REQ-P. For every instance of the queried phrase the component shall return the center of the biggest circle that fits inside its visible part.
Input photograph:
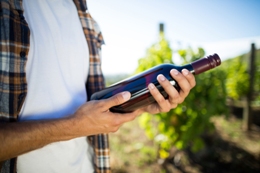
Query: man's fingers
(190, 77)
(186, 82)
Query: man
(50, 66)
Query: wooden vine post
(247, 112)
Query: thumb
(118, 99)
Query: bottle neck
(206, 63)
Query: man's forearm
(91, 118)
(21, 137)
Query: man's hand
(94, 117)
(186, 81)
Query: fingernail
(151, 86)
(185, 72)
(175, 72)
(161, 77)
(126, 95)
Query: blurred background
(131, 26)
(217, 128)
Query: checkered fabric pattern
(14, 48)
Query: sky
(130, 27)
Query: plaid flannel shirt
(14, 47)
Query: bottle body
(137, 86)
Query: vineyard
(203, 134)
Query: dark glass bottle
(137, 85)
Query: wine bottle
(137, 84)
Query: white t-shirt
(56, 72)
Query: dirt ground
(228, 150)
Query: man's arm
(20, 137)
(91, 118)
